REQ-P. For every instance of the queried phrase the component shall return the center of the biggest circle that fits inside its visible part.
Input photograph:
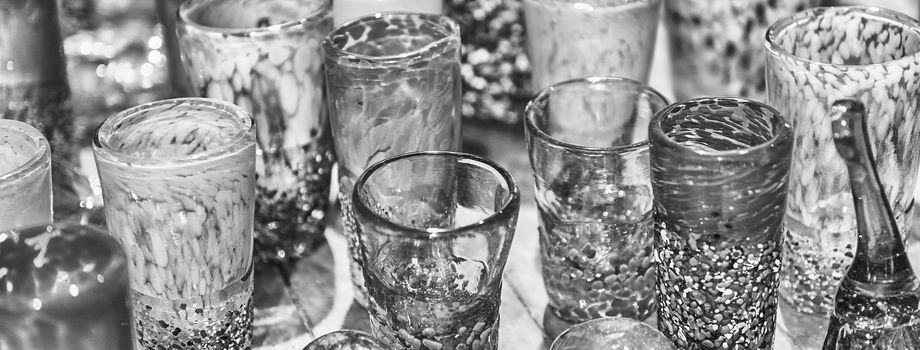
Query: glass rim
(40, 145)
(780, 26)
(502, 213)
(102, 149)
(186, 7)
(784, 135)
(600, 320)
(531, 109)
(453, 34)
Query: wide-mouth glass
(611, 333)
(392, 37)
(247, 18)
(24, 151)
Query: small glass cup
(393, 81)
(435, 230)
(612, 333)
(719, 173)
(265, 56)
(569, 40)
(588, 146)
(178, 179)
(25, 176)
(347, 340)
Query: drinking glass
(568, 40)
(612, 333)
(588, 145)
(178, 179)
(717, 46)
(815, 58)
(25, 176)
(435, 229)
(346, 340)
(265, 57)
(345, 10)
(393, 82)
(719, 175)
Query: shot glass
(178, 179)
(345, 10)
(435, 229)
(719, 174)
(265, 56)
(25, 176)
(717, 46)
(347, 340)
(588, 145)
(618, 333)
(813, 59)
(393, 82)
(568, 40)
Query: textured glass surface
(265, 56)
(394, 87)
(347, 340)
(435, 230)
(346, 10)
(25, 176)
(574, 39)
(178, 182)
(612, 333)
(815, 58)
(719, 174)
(588, 147)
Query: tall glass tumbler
(588, 146)
(717, 46)
(815, 58)
(435, 232)
(568, 39)
(393, 81)
(25, 176)
(178, 179)
(719, 174)
(265, 56)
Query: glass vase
(25, 176)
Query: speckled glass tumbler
(25, 176)
(612, 333)
(719, 174)
(393, 82)
(588, 145)
(815, 58)
(574, 39)
(178, 179)
(435, 231)
(717, 46)
(266, 57)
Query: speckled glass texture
(588, 146)
(813, 59)
(266, 57)
(435, 230)
(178, 179)
(347, 339)
(25, 176)
(612, 333)
(719, 174)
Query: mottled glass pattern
(347, 340)
(612, 333)
(265, 56)
(25, 176)
(719, 174)
(817, 57)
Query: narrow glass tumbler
(615, 333)
(25, 176)
(265, 56)
(719, 173)
(813, 59)
(569, 40)
(717, 46)
(588, 145)
(178, 179)
(393, 81)
(435, 230)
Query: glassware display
(588, 145)
(612, 333)
(719, 171)
(393, 83)
(570, 39)
(25, 176)
(878, 303)
(435, 231)
(347, 340)
(814, 58)
(345, 10)
(63, 288)
(178, 179)
(265, 56)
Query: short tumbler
(612, 333)
(435, 230)
(25, 176)
(178, 182)
(719, 174)
(588, 146)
